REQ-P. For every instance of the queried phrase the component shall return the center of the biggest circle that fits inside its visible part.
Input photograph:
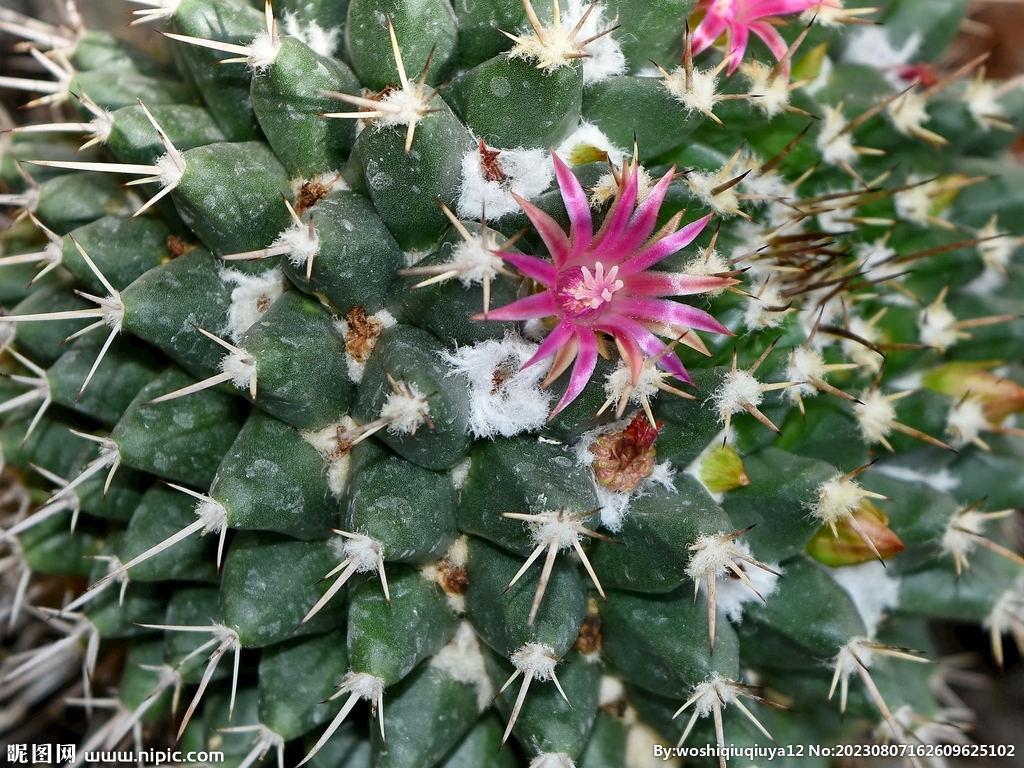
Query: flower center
(589, 291)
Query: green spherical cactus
(506, 383)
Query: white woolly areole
(213, 514)
(535, 660)
(805, 365)
(857, 353)
(761, 309)
(958, 539)
(876, 260)
(168, 171)
(589, 135)
(263, 52)
(604, 55)
(362, 551)
(475, 262)
(965, 422)
(846, 660)
(552, 760)
(406, 107)
(739, 388)
(708, 262)
(836, 147)
(703, 183)
(528, 172)
(713, 691)
(364, 686)
(916, 204)
(909, 112)
(1008, 610)
(875, 416)
(462, 660)
(936, 326)
(731, 593)
(620, 381)
(770, 95)
(982, 100)
(325, 441)
(323, 41)
(302, 245)
(874, 588)
(837, 498)
(405, 411)
(250, 298)
(870, 45)
(242, 367)
(996, 252)
(700, 96)
(504, 398)
(559, 48)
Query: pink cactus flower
(741, 17)
(604, 283)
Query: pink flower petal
(673, 284)
(550, 232)
(641, 226)
(664, 247)
(576, 205)
(758, 9)
(538, 269)
(739, 36)
(555, 340)
(582, 369)
(776, 44)
(615, 224)
(669, 313)
(709, 30)
(651, 345)
(538, 305)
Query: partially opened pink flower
(604, 283)
(741, 17)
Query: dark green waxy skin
(287, 100)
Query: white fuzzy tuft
(405, 107)
(982, 100)
(909, 113)
(875, 416)
(460, 472)
(713, 691)
(700, 96)
(620, 381)
(876, 260)
(242, 367)
(364, 686)
(937, 327)
(405, 411)
(770, 95)
(303, 246)
(739, 388)
(504, 398)
(731, 594)
(213, 514)
(874, 588)
(703, 184)
(325, 441)
(250, 298)
(528, 172)
(966, 421)
(604, 56)
(611, 691)
(323, 41)
(836, 147)
(552, 760)
(837, 498)
(462, 660)
(535, 660)
(168, 170)
(763, 309)
(857, 650)
(362, 551)
(263, 52)
(554, 527)
(917, 204)
(355, 367)
(863, 356)
(805, 365)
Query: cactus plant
(506, 383)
